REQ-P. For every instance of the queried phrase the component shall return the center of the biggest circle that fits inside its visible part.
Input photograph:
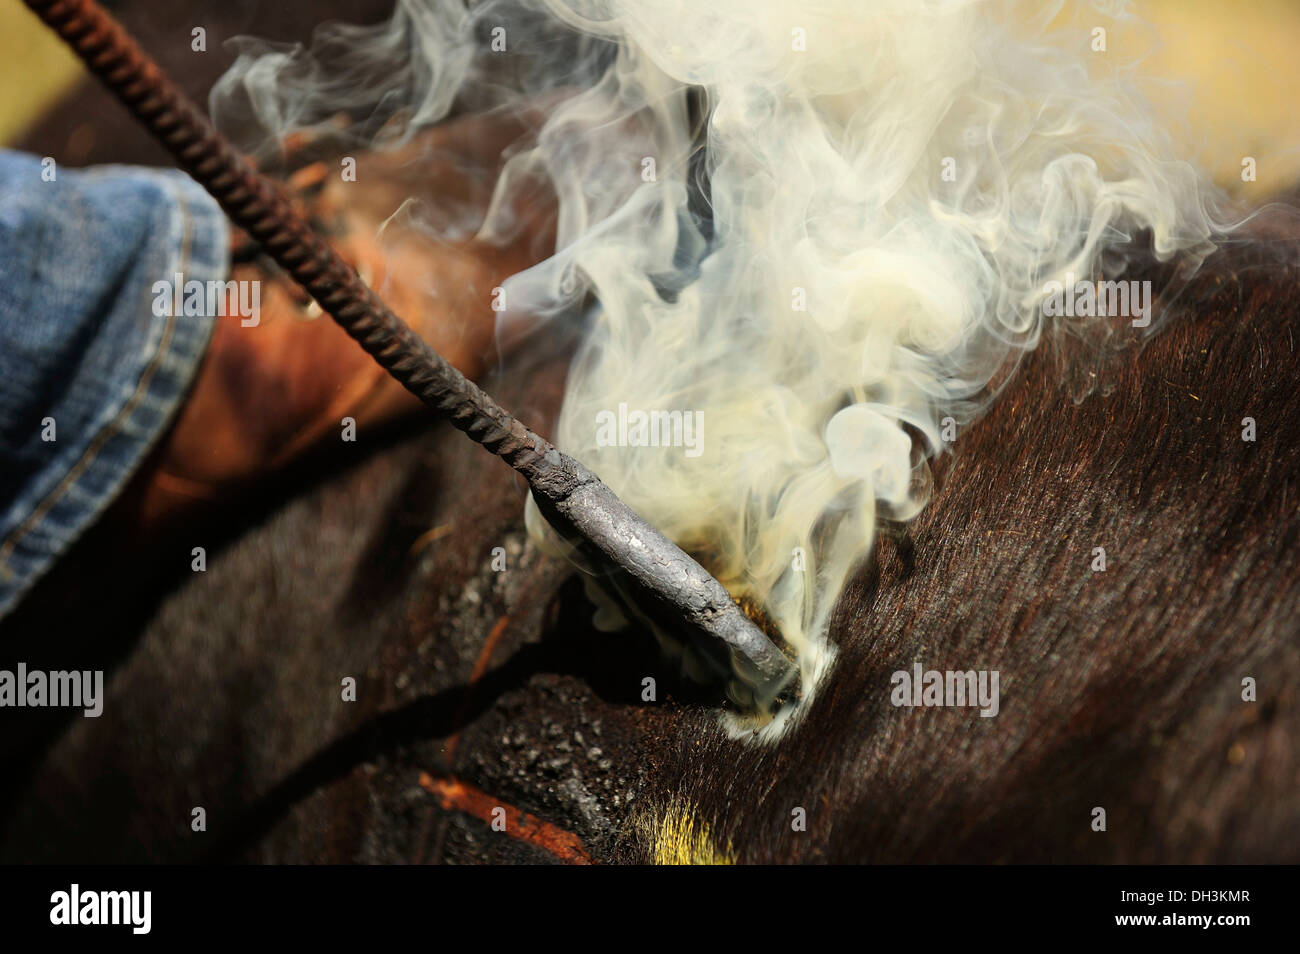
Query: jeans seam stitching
(114, 427)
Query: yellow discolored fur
(678, 838)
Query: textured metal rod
(570, 495)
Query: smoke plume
(820, 229)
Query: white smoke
(859, 252)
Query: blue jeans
(89, 375)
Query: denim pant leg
(90, 373)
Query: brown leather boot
(266, 393)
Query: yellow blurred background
(1237, 61)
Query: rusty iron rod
(570, 495)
